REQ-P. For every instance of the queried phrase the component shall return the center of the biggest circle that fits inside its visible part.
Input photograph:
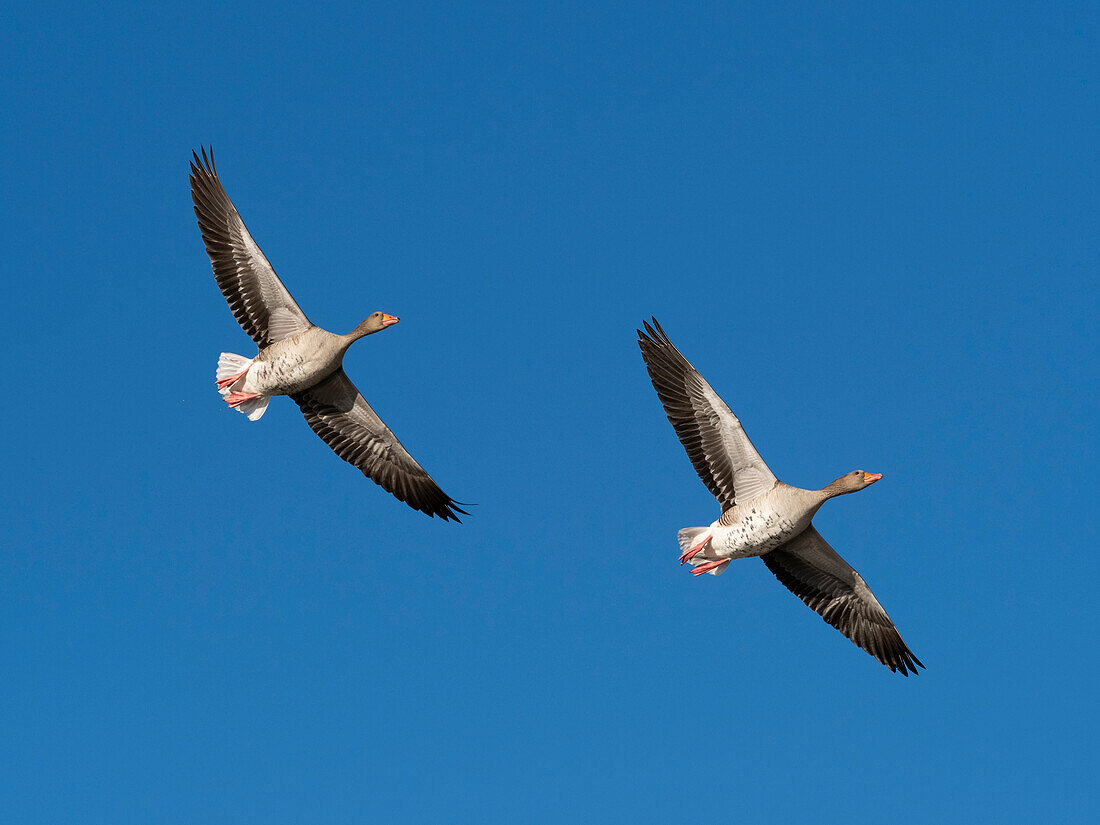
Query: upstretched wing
(260, 302)
(336, 411)
(814, 571)
(712, 435)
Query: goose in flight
(299, 359)
(762, 516)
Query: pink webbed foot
(707, 566)
(691, 552)
(229, 380)
(235, 399)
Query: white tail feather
(230, 364)
(691, 536)
(255, 408)
(688, 537)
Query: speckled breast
(755, 532)
(285, 367)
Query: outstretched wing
(813, 571)
(716, 443)
(260, 302)
(336, 411)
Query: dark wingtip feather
(650, 337)
(448, 510)
(204, 164)
(885, 644)
(654, 334)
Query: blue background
(872, 227)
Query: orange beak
(873, 477)
(389, 320)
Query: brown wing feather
(719, 449)
(260, 302)
(338, 413)
(815, 572)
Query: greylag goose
(762, 516)
(299, 359)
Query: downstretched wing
(813, 571)
(712, 435)
(343, 419)
(260, 302)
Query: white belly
(290, 370)
(754, 532)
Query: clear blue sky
(873, 228)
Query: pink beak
(389, 320)
(872, 477)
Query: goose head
(852, 482)
(375, 322)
